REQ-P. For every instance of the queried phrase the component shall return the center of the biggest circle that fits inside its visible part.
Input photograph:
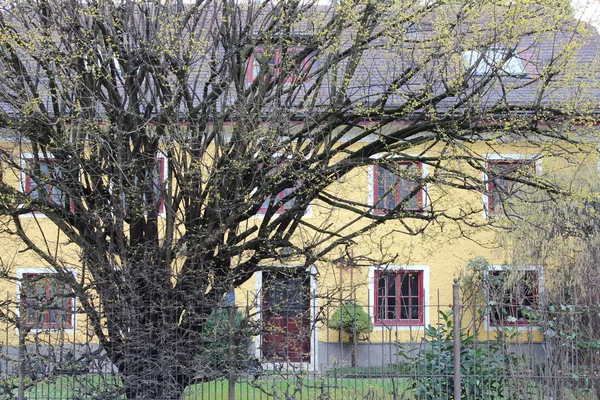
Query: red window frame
(396, 298)
(254, 66)
(498, 186)
(44, 317)
(514, 299)
(382, 183)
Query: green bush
(216, 359)
(352, 319)
(485, 367)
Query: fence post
(231, 377)
(456, 317)
(21, 353)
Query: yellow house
(153, 180)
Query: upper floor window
(277, 63)
(492, 60)
(502, 181)
(276, 200)
(158, 179)
(398, 184)
(46, 302)
(512, 296)
(399, 297)
(40, 185)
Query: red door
(286, 316)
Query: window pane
(404, 307)
(386, 192)
(414, 285)
(404, 285)
(407, 185)
(47, 301)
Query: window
(399, 297)
(501, 181)
(42, 187)
(511, 296)
(398, 186)
(276, 61)
(158, 178)
(276, 199)
(496, 59)
(47, 302)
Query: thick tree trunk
(155, 376)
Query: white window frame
(424, 188)
(45, 271)
(260, 213)
(540, 282)
(23, 178)
(373, 300)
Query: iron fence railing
(300, 353)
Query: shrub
(216, 359)
(484, 367)
(352, 319)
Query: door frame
(258, 281)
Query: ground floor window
(46, 301)
(512, 296)
(399, 297)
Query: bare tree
(171, 149)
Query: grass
(308, 388)
(338, 386)
(296, 387)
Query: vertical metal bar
(21, 352)
(456, 317)
(231, 378)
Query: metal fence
(299, 353)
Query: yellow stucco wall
(443, 249)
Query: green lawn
(324, 388)
(273, 387)
(267, 388)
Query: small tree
(353, 320)
(563, 238)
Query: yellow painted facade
(442, 250)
